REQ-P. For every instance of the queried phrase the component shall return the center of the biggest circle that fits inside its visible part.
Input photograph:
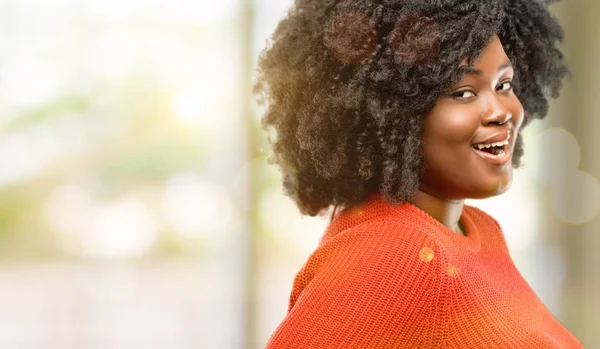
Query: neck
(447, 212)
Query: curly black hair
(346, 84)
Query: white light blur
(174, 59)
(66, 210)
(545, 278)
(268, 13)
(173, 10)
(193, 106)
(577, 200)
(33, 15)
(112, 55)
(198, 209)
(209, 111)
(239, 180)
(112, 10)
(180, 11)
(202, 104)
(24, 153)
(282, 219)
(516, 211)
(108, 282)
(29, 81)
(121, 230)
(194, 11)
(551, 155)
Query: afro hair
(347, 83)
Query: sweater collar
(376, 207)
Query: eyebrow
(479, 72)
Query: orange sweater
(387, 276)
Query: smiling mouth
(499, 148)
(496, 155)
(494, 150)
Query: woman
(396, 111)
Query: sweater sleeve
(383, 285)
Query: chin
(493, 189)
(496, 184)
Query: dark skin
(481, 104)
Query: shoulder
(380, 282)
(388, 245)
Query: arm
(380, 286)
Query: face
(481, 109)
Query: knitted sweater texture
(392, 276)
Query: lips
(495, 159)
(495, 137)
(503, 156)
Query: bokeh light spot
(426, 254)
(416, 40)
(557, 155)
(577, 200)
(122, 229)
(191, 204)
(452, 270)
(351, 37)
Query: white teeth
(496, 144)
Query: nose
(496, 112)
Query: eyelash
(456, 95)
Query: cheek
(452, 125)
(447, 137)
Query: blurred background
(137, 208)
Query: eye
(505, 83)
(461, 94)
